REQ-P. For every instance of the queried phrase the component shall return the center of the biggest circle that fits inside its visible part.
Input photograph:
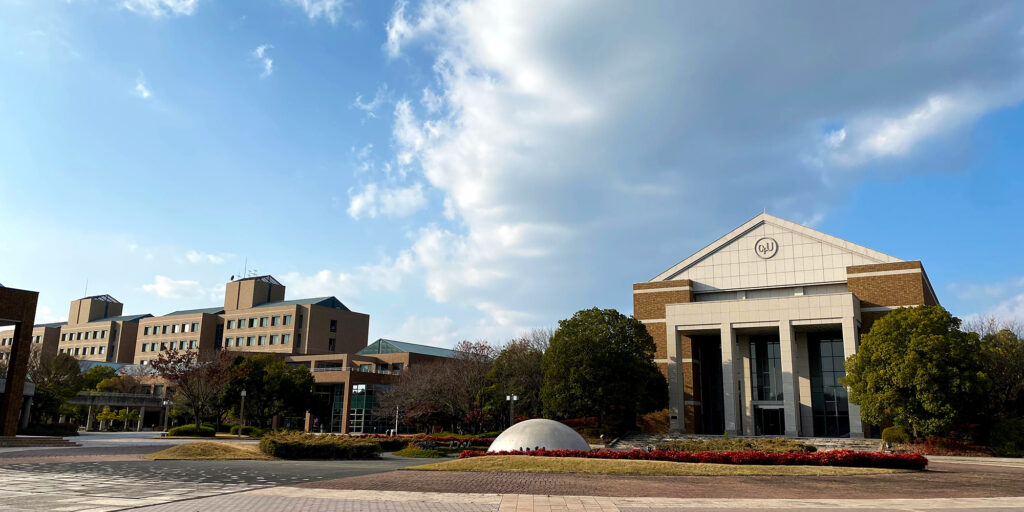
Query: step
(34, 441)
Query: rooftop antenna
(86, 287)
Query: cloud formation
(260, 54)
(329, 10)
(168, 288)
(141, 90)
(553, 137)
(194, 256)
(375, 201)
(161, 8)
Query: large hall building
(752, 330)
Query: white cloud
(379, 98)
(323, 283)
(436, 331)
(198, 257)
(328, 9)
(563, 135)
(141, 90)
(45, 315)
(168, 288)
(374, 201)
(260, 54)
(161, 8)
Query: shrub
(1007, 438)
(738, 444)
(313, 446)
(247, 431)
(53, 429)
(841, 458)
(415, 450)
(895, 435)
(654, 422)
(191, 431)
(948, 446)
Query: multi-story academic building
(752, 330)
(45, 338)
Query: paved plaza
(109, 473)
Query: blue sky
(464, 170)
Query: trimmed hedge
(247, 431)
(475, 441)
(895, 435)
(191, 431)
(841, 458)
(738, 444)
(52, 429)
(314, 446)
(1007, 438)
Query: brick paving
(943, 480)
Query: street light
(167, 413)
(240, 427)
(511, 408)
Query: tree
(447, 391)
(57, 380)
(516, 371)
(272, 387)
(119, 384)
(196, 383)
(1003, 354)
(601, 363)
(915, 368)
(93, 376)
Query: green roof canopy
(383, 346)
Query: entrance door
(769, 420)
(708, 354)
(766, 385)
(829, 400)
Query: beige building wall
(195, 331)
(45, 339)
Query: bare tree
(196, 383)
(990, 324)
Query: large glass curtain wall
(360, 414)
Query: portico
(753, 330)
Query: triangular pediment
(769, 251)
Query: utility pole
(511, 408)
(396, 420)
(242, 414)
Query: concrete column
(790, 387)
(309, 422)
(26, 413)
(729, 379)
(142, 416)
(88, 419)
(850, 348)
(676, 396)
(745, 392)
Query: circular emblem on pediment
(766, 247)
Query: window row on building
(80, 335)
(250, 341)
(10, 341)
(170, 328)
(263, 321)
(170, 345)
(85, 351)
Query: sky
(476, 169)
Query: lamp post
(167, 413)
(511, 408)
(242, 414)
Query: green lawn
(526, 463)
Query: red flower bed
(440, 439)
(843, 458)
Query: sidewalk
(287, 499)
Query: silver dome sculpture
(538, 433)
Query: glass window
(285, 338)
(231, 324)
(248, 341)
(396, 368)
(334, 326)
(64, 337)
(95, 335)
(143, 347)
(330, 344)
(298, 323)
(76, 351)
(165, 329)
(262, 340)
(195, 326)
(145, 332)
(275, 321)
(103, 334)
(252, 323)
(163, 345)
(766, 368)
(273, 339)
(238, 341)
(86, 334)
(79, 335)
(298, 339)
(368, 367)
(102, 349)
(227, 342)
(174, 329)
(92, 351)
(263, 321)
(287, 319)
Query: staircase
(639, 441)
(35, 442)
